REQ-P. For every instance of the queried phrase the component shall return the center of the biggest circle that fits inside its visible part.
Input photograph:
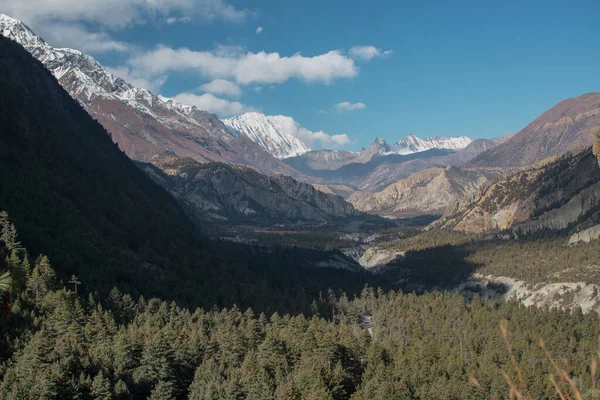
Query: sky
(346, 71)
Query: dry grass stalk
(476, 383)
(593, 371)
(557, 368)
(514, 392)
(564, 390)
(558, 391)
(504, 330)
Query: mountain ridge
(229, 193)
(559, 193)
(425, 192)
(562, 128)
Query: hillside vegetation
(60, 344)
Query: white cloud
(313, 139)
(213, 104)
(346, 106)
(124, 73)
(366, 53)
(223, 87)
(183, 20)
(78, 37)
(259, 30)
(247, 68)
(118, 14)
(322, 111)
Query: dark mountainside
(566, 126)
(76, 197)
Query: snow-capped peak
(273, 133)
(19, 32)
(413, 144)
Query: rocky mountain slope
(142, 123)
(426, 192)
(234, 193)
(564, 127)
(269, 132)
(554, 195)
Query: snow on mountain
(19, 32)
(87, 81)
(412, 144)
(272, 133)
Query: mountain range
(145, 124)
(75, 197)
(153, 129)
(150, 128)
(412, 144)
(142, 123)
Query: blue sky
(475, 68)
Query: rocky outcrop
(555, 195)
(585, 236)
(239, 194)
(425, 192)
(562, 295)
(564, 127)
(375, 259)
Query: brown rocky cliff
(560, 194)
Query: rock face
(563, 295)
(564, 127)
(142, 123)
(375, 259)
(425, 192)
(272, 133)
(239, 194)
(585, 236)
(555, 195)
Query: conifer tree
(100, 389)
